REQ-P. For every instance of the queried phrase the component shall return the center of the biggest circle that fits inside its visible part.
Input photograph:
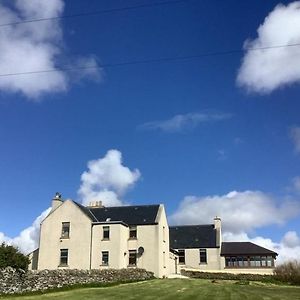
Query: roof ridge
(142, 205)
(174, 226)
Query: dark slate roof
(196, 236)
(244, 248)
(130, 215)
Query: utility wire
(147, 61)
(94, 13)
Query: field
(177, 289)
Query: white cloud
(33, 47)
(291, 239)
(268, 69)
(241, 214)
(107, 179)
(181, 123)
(295, 136)
(241, 211)
(28, 238)
(296, 184)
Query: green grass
(177, 289)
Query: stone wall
(13, 281)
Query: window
(249, 261)
(105, 258)
(203, 256)
(263, 261)
(181, 256)
(270, 261)
(164, 234)
(228, 262)
(132, 257)
(105, 232)
(132, 232)
(64, 257)
(65, 231)
(240, 261)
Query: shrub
(228, 276)
(288, 272)
(12, 257)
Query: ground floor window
(132, 257)
(258, 261)
(181, 256)
(64, 253)
(203, 256)
(105, 258)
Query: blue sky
(223, 134)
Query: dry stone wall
(17, 281)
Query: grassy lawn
(177, 289)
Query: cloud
(241, 214)
(296, 184)
(241, 211)
(33, 47)
(107, 179)
(295, 136)
(181, 123)
(28, 238)
(265, 70)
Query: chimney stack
(218, 228)
(57, 201)
(95, 204)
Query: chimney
(218, 228)
(57, 201)
(95, 204)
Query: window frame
(105, 233)
(249, 261)
(63, 232)
(181, 254)
(132, 254)
(65, 256)
(204, 251)
(105, 262)
(133, 232)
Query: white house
(97, 237)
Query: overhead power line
(94, 13)
(147, 61)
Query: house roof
(244, 248)
(196, 236)
(130, 215)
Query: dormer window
(132, 232)
(65, 231)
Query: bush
(288, 272)
(12, 257)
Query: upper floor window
(203, 256)
(164, 234)
(105, 258)
(65, 231)
(181, 256)
(106, 232)
(64, 253)
(132, 232)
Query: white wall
(78, 244)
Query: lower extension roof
(192, 236)
(244, 248)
